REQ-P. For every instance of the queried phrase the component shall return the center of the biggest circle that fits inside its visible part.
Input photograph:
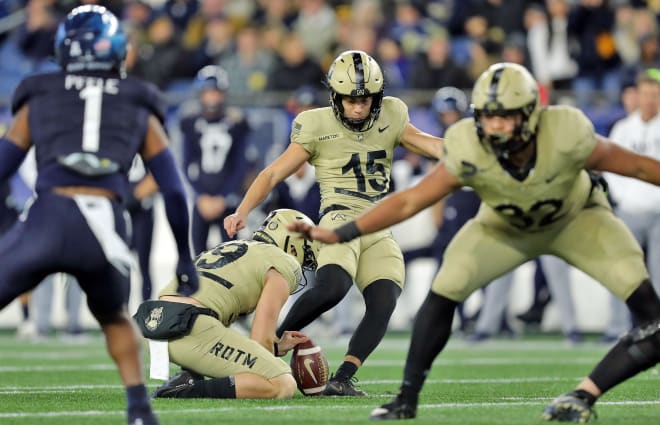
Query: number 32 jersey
(352, 168)
(87, 128)
(556, 189)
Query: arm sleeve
(165, 172)
(11, 157)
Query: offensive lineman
(530, 167)
(350, 143)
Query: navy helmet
(450, 98)
(91, 38)
(211, 77)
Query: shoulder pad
(568, 126)
(151, 98)
(462, 150)
(25, 90)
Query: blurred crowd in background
(276, 52)
(279, 45)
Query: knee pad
(643, 343)
(334, 281)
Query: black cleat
(177, 384)
(569, 407)
(396, 409)
(343, 387)
(143, 417)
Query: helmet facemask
(356, 74)
(507, 90)
(274, 231)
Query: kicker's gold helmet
(274, 231)
(507, 89)
(355, 73)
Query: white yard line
(87, 413)
(46, 389)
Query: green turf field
(499, 382)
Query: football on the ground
(310, 368)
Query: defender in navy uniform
(214, 149)
(86, 123)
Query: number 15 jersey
(352, 168)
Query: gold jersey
(352, 168)
(232, 276)
(554, 191)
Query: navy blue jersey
(214, 154)
(8, 212)
(86, 128)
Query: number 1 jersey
(86, 128)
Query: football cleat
(396, 409)
(569, 407)
(343, 387)
(144, 417)
(174, 387)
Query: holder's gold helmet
(274, 230)
(355, 73)
(507, 89)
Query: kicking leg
(380, 300)
(430, 334)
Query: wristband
(276, 350)
(348, 232)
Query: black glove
(186, 274)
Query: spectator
(158, 58)
(294, 67)
(315, 25)
(637, 203)
(435, 67)
(591, 22)
(249, 66)
(550, 47)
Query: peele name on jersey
(80, 82)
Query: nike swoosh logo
(380, 130)
(308, 363)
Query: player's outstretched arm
(15, 144)
(158, 158)
(290, 160)
(417, 141)
(391, 210)
(609, 156)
